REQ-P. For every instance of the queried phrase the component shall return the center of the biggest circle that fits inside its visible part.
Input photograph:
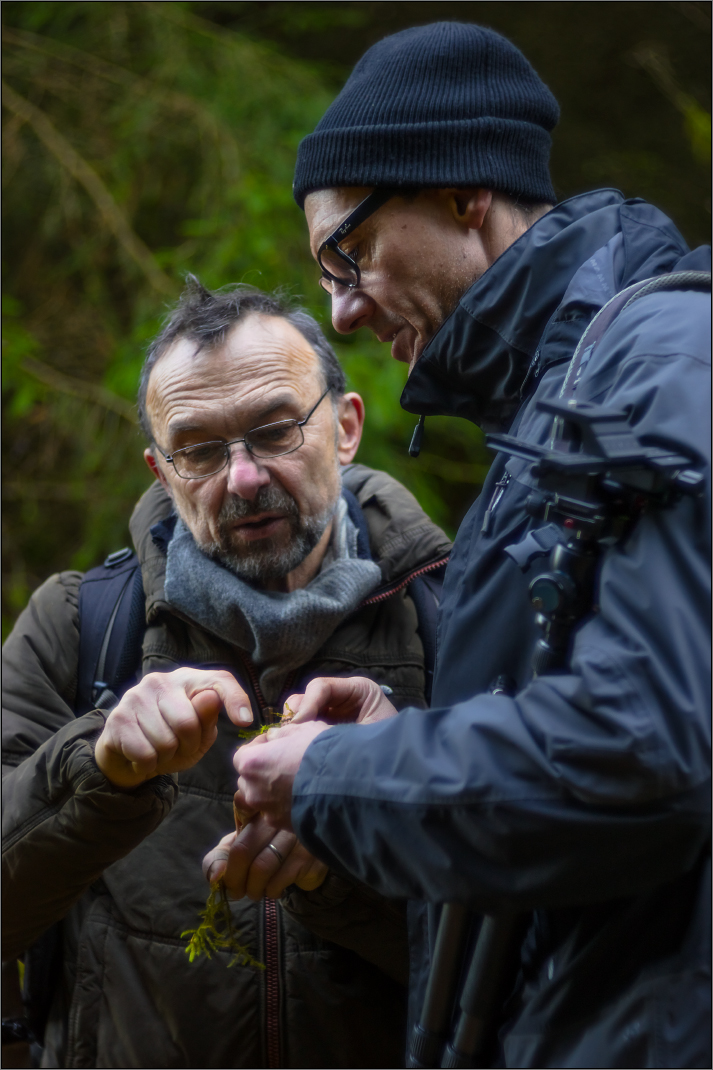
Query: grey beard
(267, 560)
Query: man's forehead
(259, 353)
(259, 338)
(250, 346)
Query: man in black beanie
(580, 796)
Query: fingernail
(245, 715)
(216, 871)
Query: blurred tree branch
(48, 490)
(112, 72)
(78, 388)
(699, 14)
(697, 119)
(83, 173)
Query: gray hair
(207, 316)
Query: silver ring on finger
(275, 850)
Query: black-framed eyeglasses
(271, 440)
(335, 264)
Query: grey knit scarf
(280, 631)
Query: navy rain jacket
(585, 799)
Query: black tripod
(594, 482)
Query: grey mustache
(236, 508)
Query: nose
(246, 474)
(351, 309)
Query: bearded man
(266, 558)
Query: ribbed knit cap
(450, 104)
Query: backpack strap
(425, 592)
(356, 515)
(112, 622)
(675, 280)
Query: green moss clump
(251, 733)
(217, 932)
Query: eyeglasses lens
(197, 462)
(339, 267)
(275, 439)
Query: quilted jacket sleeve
(63, 823)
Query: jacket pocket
(138, 1002)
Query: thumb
(207, 705)
(313, 702)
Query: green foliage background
(145, 140)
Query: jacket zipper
(265, 710)
(403, 583)
(533, 372)
(270, 918)
(498, 492)
(272, 984)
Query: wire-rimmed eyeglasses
(336, 265)
(271, 440)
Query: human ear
(350, 416)
(470, 206)
(155, 468)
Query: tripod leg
(489, 975)
(430, 1034)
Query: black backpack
(112, 622)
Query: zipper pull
(417, 439)
(532, 373)
(498, 492)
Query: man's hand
(167, 723)
(341, 698)
(267, 767)
(248, 866)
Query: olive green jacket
(121, 871)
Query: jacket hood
(402, 538)
(476, 363)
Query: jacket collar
(475, 365)
(402, 539)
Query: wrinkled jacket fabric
(583, 800)
(123, 869)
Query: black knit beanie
(450, 104)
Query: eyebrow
(182, 427)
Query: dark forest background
(145, 140)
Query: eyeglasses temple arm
(362, 211)
(168, 457)
(301, 423)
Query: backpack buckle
(117, 558)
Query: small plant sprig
(285, 718)
(252, 733)
(217, 932)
